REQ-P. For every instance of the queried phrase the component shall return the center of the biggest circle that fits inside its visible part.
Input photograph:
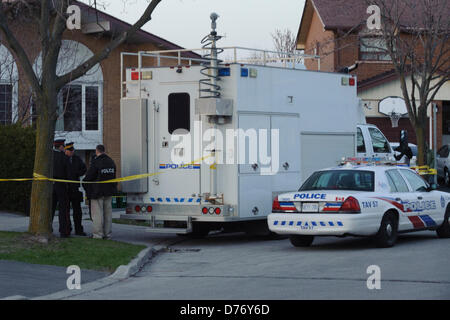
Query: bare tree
(416, 36)
(49, 17)
(285, 44)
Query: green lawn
(94, 254)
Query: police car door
(424, 203)
(179, 178)
(401, 196)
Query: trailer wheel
(444, 230)
(301, 241)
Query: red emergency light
(135, 75)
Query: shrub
(17, 148)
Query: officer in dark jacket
(77, 168)
(60, 189)
(404, 148)
(102, 168)
(88, 187)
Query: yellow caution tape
(422, 170)
(39, 177)
(21, 179)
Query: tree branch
(90, 63)
(19, 51)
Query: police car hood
(317, 195)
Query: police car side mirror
(432, 187)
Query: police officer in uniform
(102, 168)
(60, 189)
(77, 168)
(404, 148)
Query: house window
(79, 108)
(92, 108)
(446, 117)
(72, 105)
(373, 48)
(6, 91)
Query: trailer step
(169, 230)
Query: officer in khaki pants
(102, 168)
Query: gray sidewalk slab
(33, 280)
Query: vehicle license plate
(310, 207)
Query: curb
(123, 272)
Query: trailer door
(176, 183)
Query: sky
(245, 23)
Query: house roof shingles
(346, 14)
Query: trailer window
(179, 112)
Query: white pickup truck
(371, 143)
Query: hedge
(17, 148)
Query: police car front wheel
(444, 230)
(301, 241)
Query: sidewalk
(31, 280)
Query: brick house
(90, 105)
(336, 30)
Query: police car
(361, 200)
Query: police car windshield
(358, 180)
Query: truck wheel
(301, 241)
(199, 230)
(388, 232)
(444, 230)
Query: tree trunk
(41, 193)
(421, 146)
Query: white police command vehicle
(361, 200)
(279, 111)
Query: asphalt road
(236, 266)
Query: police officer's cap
(69, 146)
(59, 142)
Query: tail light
(137, 208)
(149, 209)
(204, 210)
(350, 205)
(217, 211)
(128, 211)
(276, 205)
